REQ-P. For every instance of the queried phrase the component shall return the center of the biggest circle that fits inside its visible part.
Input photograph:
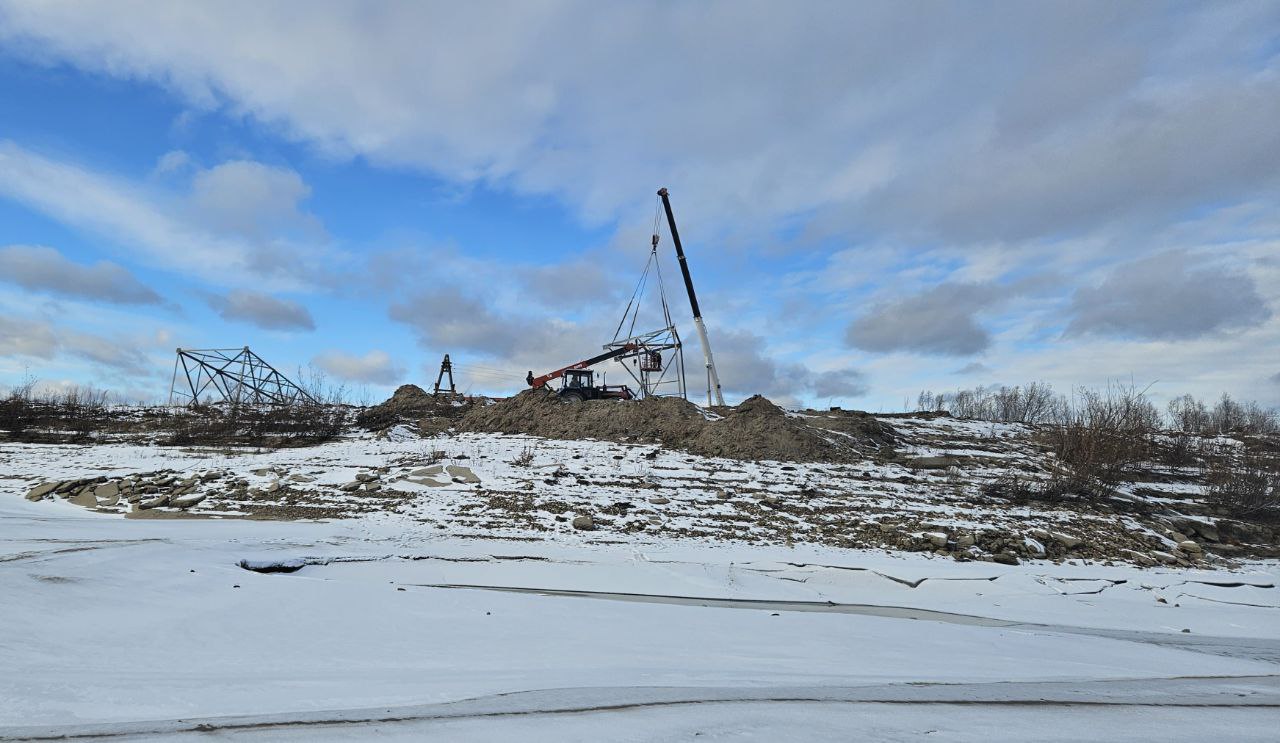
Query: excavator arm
(540, 382)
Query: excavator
(577, 381)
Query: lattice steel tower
(235, 375)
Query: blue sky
(876, 199)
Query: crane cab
(578, 385)
(577, 379)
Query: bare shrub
(18, 410)
(1034, 403)
(1227, 416)
(525, 457)
(1244, 483)
(316, 384)
(1189, 415)
(1102, 437)
(268, 426)
(70, 414)
(1022, 489)
(1178, 449)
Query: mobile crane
(578, 381)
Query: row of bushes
(83, 413)
(1102, 439)
(1039, 403)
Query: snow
(445, 616)
(128, 621)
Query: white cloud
(1021, 121)
(40, 339)
(44, 269)
(262, 310)
(250, 198)
(374, 367)
(199, 234)
(940, 320)
(172, 161)
(1173, 295)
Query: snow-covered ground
(479, 484)
(150, 628)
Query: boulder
(353, 485)
(1209, 532)
(659, 500)
(41, 490)
(1140, 558)
(584, 523)
(1164, 557)
(931, 463)
(965, 541)
(1005, 558)
(1066, 540)
(366, 477)
(462, 474)
(1190, 547)
(107, 490)
(154, 502)
(937, 538)
(84, 498)
(187, 501)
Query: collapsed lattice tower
(235, 375)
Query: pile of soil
(756, 429)
(410, 403)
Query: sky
(876, 198)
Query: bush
(1035, 403)
(18, 411)
(270, 426)
(73, 414)
(1244, 484)
(1102, 437)
(1190, 415)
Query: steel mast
(713, 379)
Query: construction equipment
(578, 381)
(657, 364)
(654, 359)
(713, 378)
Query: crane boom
(540, 382)
(713, 378)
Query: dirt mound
(409, 403)
(665, 420)
(756, 429)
